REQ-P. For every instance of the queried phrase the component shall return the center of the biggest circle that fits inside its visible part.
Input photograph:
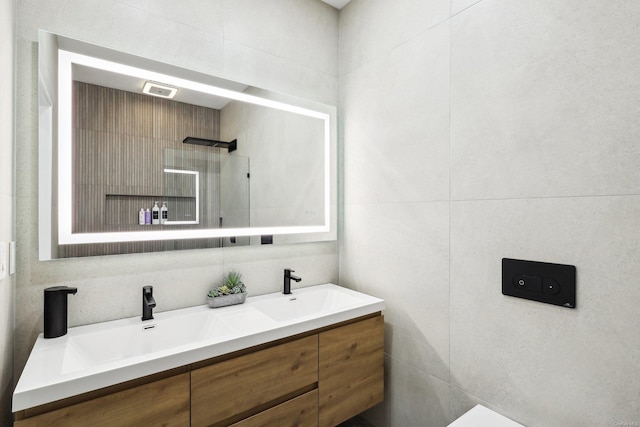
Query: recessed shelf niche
(123, 209)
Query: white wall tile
(399, 252)
(396, 118)
(544, 101)
(512, 352)
(301, 32)
(26, 229)
(26, 132)
(371, 28)
(543, 113)
(201, 15)
(265, 70)
(151, 31)
(458, 6)
(263, 267)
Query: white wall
(7, 62)
(476, 130)
(245, 40)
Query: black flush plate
(540, 281)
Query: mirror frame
(70, 52)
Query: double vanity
(311, 358)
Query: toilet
(481, 416)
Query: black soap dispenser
(55, 310)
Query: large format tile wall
(294, 51)
(7, 285)
(476, 130)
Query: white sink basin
(95, 356)
(136, 338)
(306, 302)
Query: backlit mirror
(138, 155)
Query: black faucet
(55, 310)
(147, 302)
(287, 280)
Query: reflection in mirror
(136, 135)
(182, 190)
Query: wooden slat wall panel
(120, 141)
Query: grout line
(415, 36)
(415, 368)
(289, 62)
(375, 58)
(489, 199)
(585, 196)
(166, 18)
(466, 8)
(396, 202)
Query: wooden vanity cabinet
(319, 378)
(231, 390)
(160, 403)
(301, 411)
(351, 368)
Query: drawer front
(299, 412)
(161, 403)
(351, 370)
(230, 388)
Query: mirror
(138, 156)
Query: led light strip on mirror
(66, 62)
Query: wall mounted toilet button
(550, 286)
(529, 283)
(539, 281)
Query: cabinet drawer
(161, 403)
(227, 389)
(299, 412)
(351, 370)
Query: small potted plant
(230, 291)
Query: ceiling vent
(159, 89)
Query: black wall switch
(540, 281)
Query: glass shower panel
(235, 184)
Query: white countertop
(100, 355)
